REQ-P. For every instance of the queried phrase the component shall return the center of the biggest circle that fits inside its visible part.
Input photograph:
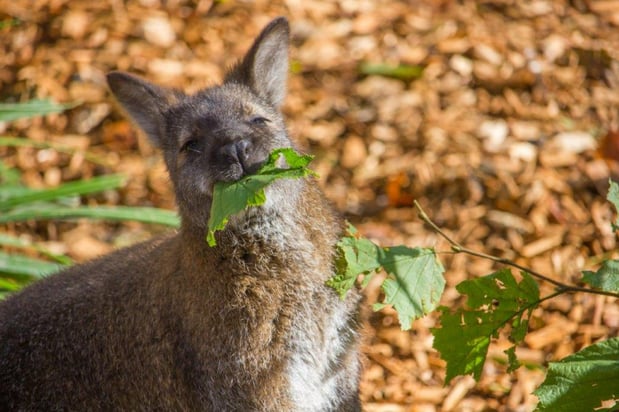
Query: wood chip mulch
(507, 140)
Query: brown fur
(173, 324)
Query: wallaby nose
(237, 152)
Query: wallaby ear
(143, 101)
(265, 66)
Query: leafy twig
(458, 248)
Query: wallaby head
(220, 133)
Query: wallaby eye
(259, 120)
(192, 145)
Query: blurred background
(500, 117)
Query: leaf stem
(458, 248)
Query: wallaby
(173, 324)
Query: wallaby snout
(237, 153)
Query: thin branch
(458, 248)
(552, 295)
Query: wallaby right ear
(265, 66)
(143, 101)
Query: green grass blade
(32, 108)
(118, 213)
(9, 191)
(12, 241)
(9, 23)
(24, 265)
(10, 285)
(82, 187)
(11, 282)
(9, 141)
(402, 71)
(4, 295)
(8, 176)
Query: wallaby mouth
(249, 167)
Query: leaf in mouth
(230, 198)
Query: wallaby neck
(257, 225)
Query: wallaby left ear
(265, 66)
(145, 102)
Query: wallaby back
(173, 324)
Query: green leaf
(606, 278)
(580, 382)
(493, 301)
(402, 71)
(613, 197)
(512, 361)
(45, 211)
(414, 284)
(32, 108)
(355, 257)
(233, 197)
